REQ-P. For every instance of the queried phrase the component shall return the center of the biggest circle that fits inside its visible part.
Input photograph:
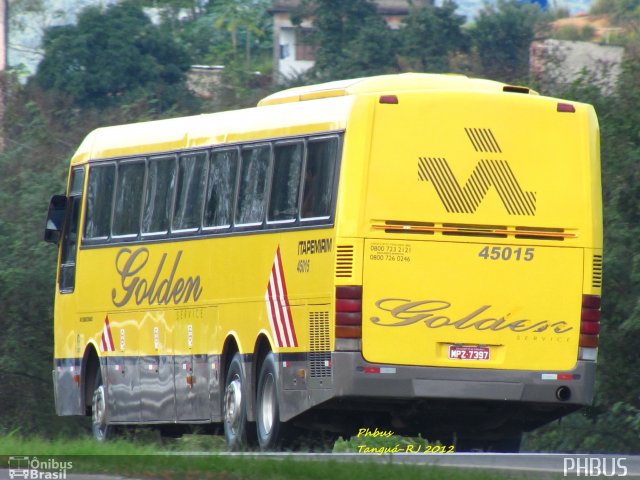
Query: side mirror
(55, 219)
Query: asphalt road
(564, 465)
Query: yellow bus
(413, 253)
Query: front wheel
(100, 427)
(236, 428)
(271, 431)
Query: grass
(150, 458)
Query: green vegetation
(113, 57)
(574, 33)
(156, 460)
(502, 35)
(47, 118)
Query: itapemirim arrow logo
(487, 174)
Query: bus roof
(258, 123)
(200, 131)
(389, 84)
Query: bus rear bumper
(354, 384)
(354, 377)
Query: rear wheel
(236, 429)
(271, 431)
(100, 427)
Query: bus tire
(271, 431)
(236, 428)
(100, 427)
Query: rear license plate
(461, 352)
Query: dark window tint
(190, 191)
(287, 167)
(130, 184)
(317, 192)
(253, 185)
(69, 246)
(221, 187)
(100, 201)
(161, 179)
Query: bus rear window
(161, 179)
(220, 190)
(283, 205)
(99, 201)
(318, 178)
(130, 184)
(253, 185)
(190, 194)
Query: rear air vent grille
(540, 233)
(474, 230)
(344, 261)
(596, 280)
(409, 227)
(465, 230)
(483, 140)
(319, 345)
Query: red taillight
(566, 108)
(349, 311)
(591, 301)
(590, 321)
(348, 305)
(389, 99)
(591, 328)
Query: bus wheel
(271, 431)
(102, 431)
(235, 406)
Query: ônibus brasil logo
(35, 468)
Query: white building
(562, 61)
(293, 56)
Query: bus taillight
(589, 324)
(349, 311)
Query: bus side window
(99, 201)
(67, 275)
(221, 188)
(287, 167)
(161, 180)
(319, 172)
(192, 175)
(253, 185)
(129, 188)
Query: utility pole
(4, 48)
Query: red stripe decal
(106, 342)
(278, 310)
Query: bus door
(66, 326)
(70, 234)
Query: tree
(350, 38)
(431, 35)
(172, 10)
(612, 425)
(502, 35)
(112, 56)
(235, 15)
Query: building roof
(388, 7)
